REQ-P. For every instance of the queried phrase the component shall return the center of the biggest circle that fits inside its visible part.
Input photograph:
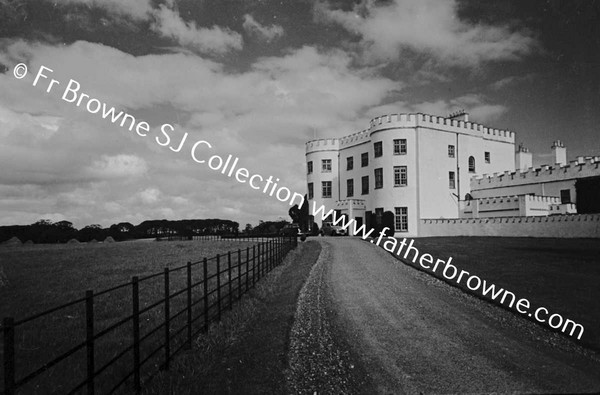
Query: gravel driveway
(406, 332)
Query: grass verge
(247, 351)
(561, 275)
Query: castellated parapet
(587, 167)
(440, 123)
(332, 144)
(410, 121)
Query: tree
(248, 228)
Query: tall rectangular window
(365, 185)
(364, 159)
(565, 196)
(350, 163)
(379, 216)
(311, 192)
(486, 157)
(378, 148)
(401, 219)
(326, 189)
(451, 180)
(378, 178)
(451, 151)
(350, 187)
(400, 147)
(309, 167)
(326, 165)
(400, 176)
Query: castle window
(326, 166)
(378, 178)
(471, 164)
(350, 163)
(400, 147)
(311, 192)
(400, 176)
(364, 159)
(486, 157)
(451, 180)
(326, 189)
(378, 148)
(401, 219)
(350, 187)
(309, 167)
(565, 196)
(451, 151)
(379, 216)
(365, 185)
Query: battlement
(331, 144)
(355, 139)
(440, 123)
(583, 167)
(515, 219)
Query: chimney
(460, 115)
(523, 158)
(560, 153)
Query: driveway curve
(415, 334)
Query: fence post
(253, 265)
(135, 298)
(218, 287)
(8, 329)
(239, 260)
(189, 303)
(229, 278)
(89, 340)
(205, 286)
(247, 267)
(167, 321)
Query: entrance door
(359, 222)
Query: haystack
(109, 239)
(73, 241)
(28, 242)
(93, 241)
(12, 242)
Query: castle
(448, 176)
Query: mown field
(562, 275)
(35, 278)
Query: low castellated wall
(564, 226)
(589, 167)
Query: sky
(257, 79)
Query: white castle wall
(566, 226)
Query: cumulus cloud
(168, 23)
(117, 166)
(136, 9)
(164, 20)
(389, 30)
(267, 33)
(86, 161)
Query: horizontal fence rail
(137, 346)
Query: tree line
(46, 231)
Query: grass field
(38, 277)
(562, 275)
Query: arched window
(471, 164)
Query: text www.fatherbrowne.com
(452, 273)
